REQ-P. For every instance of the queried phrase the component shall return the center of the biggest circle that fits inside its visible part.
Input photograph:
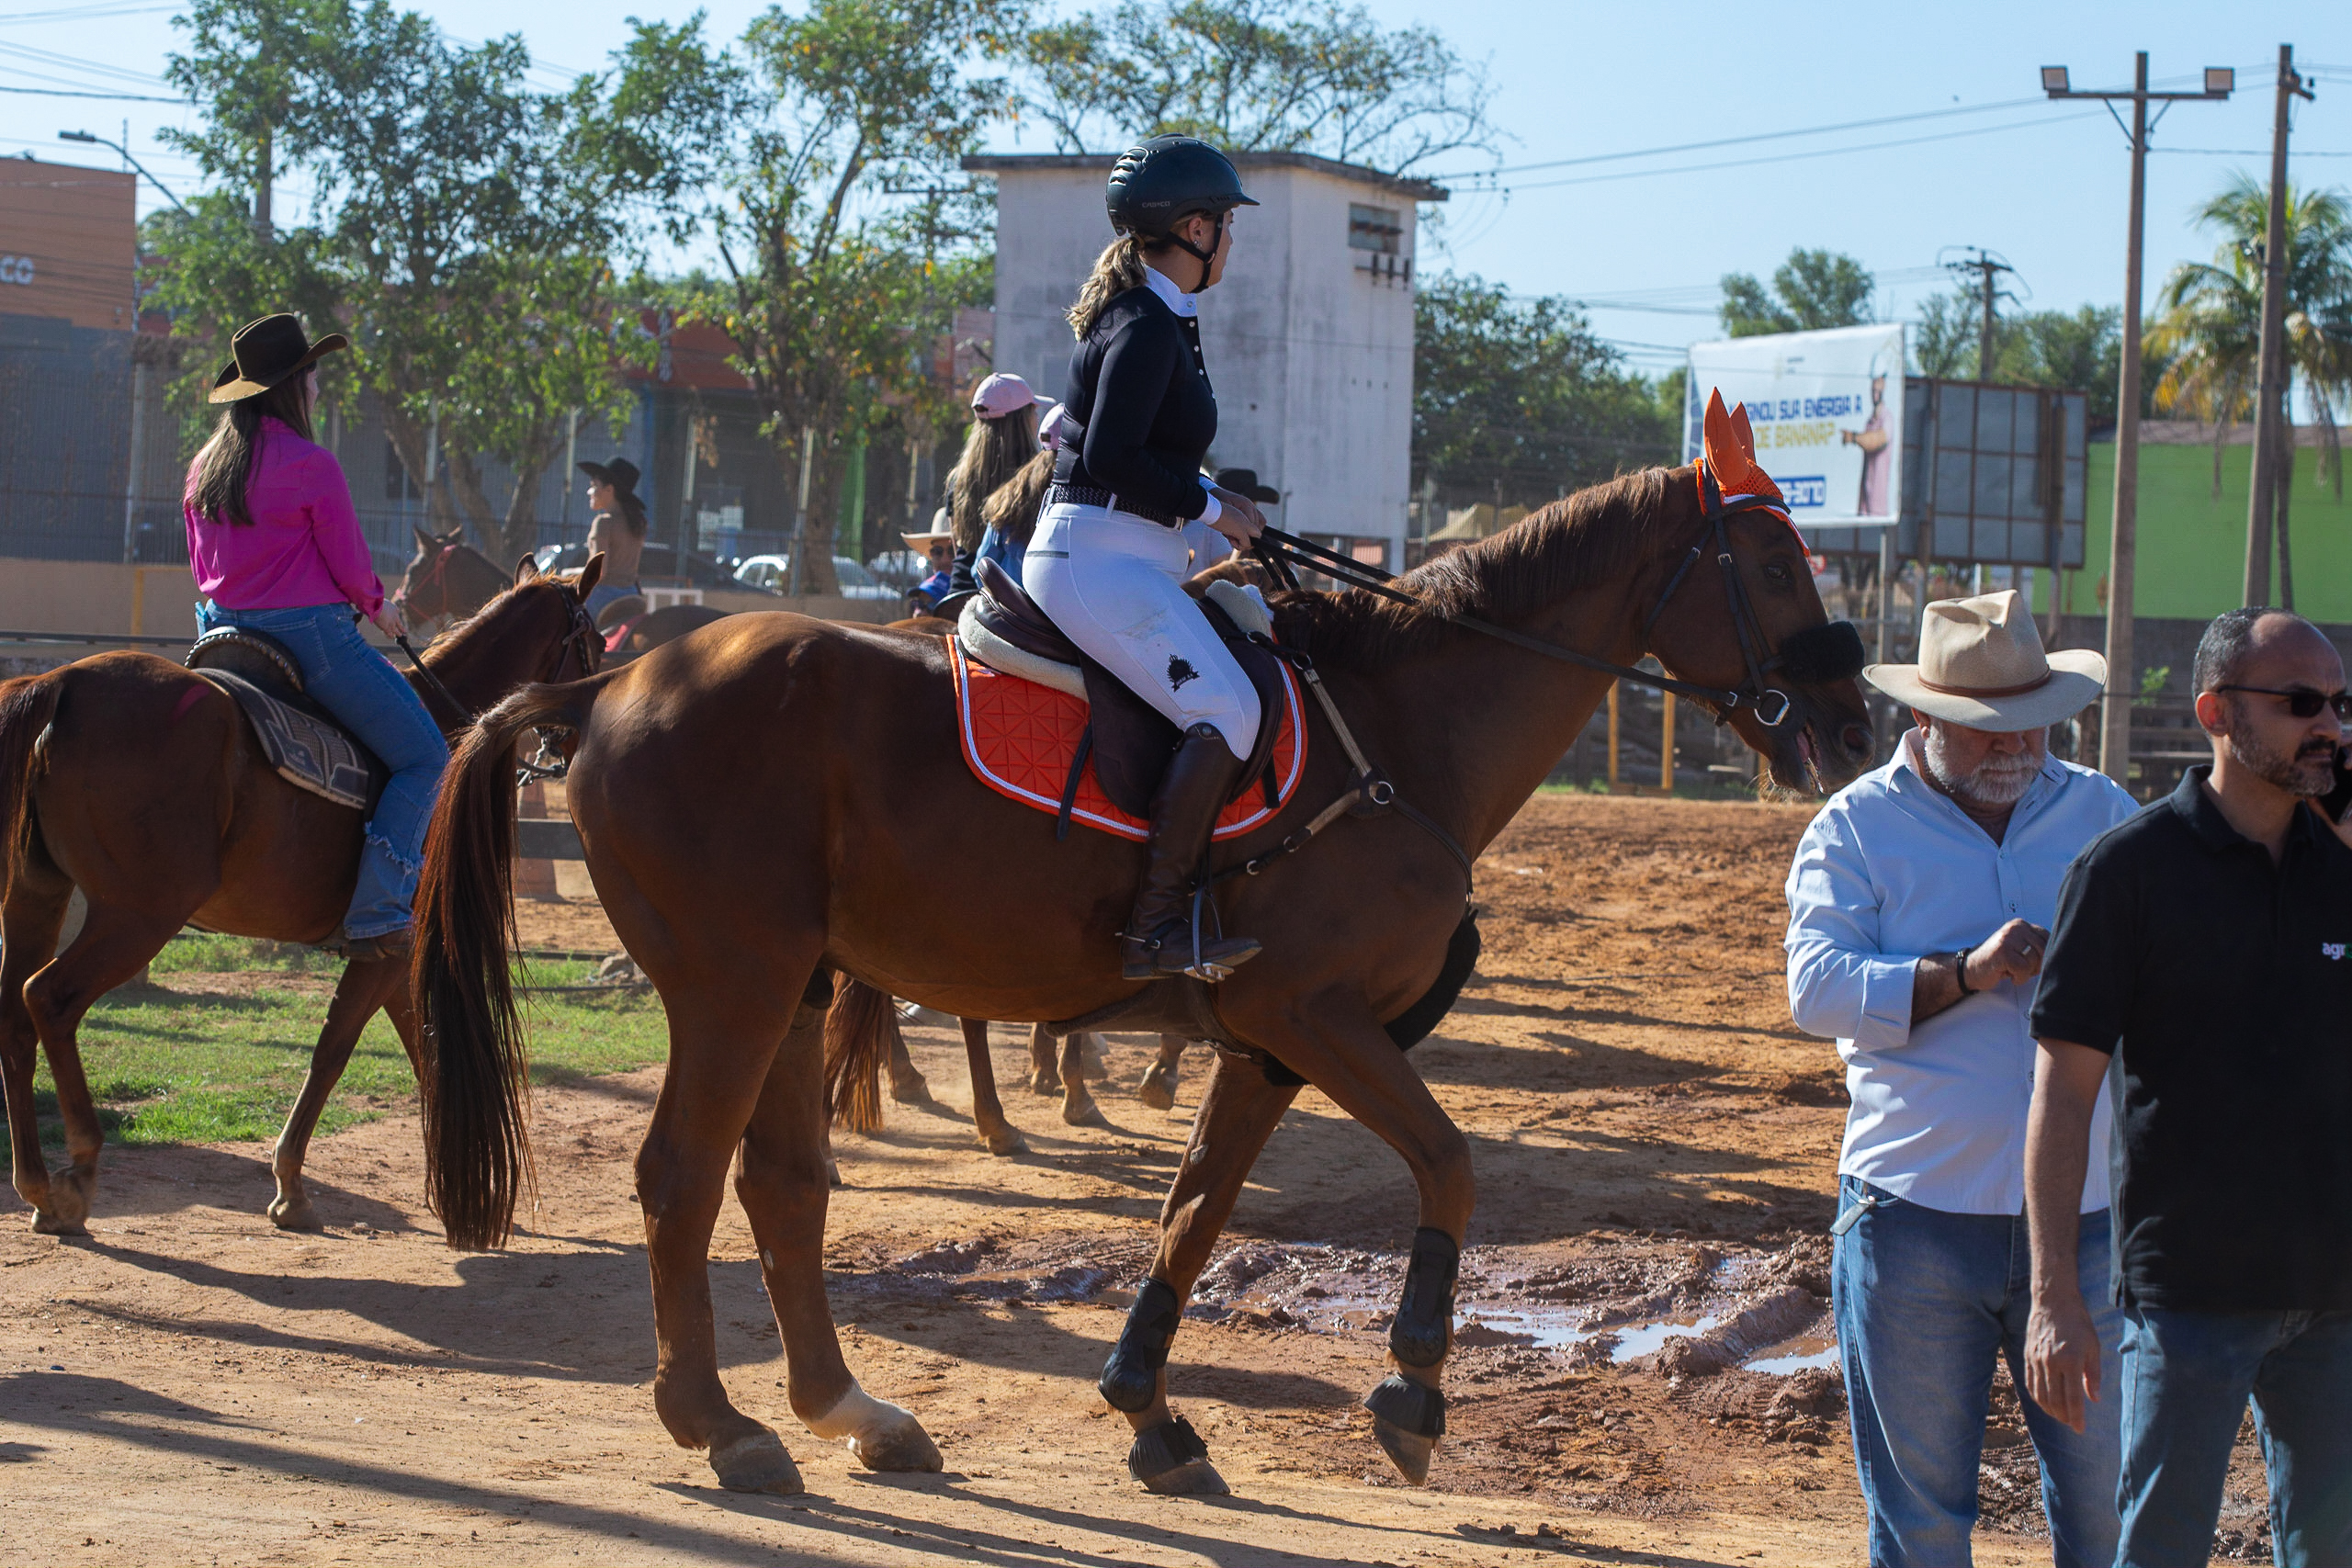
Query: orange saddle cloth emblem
(1019, 737)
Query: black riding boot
(1159, 940)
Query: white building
(1310, 337)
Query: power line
(1736, 141)
(114, 97)
(1797, 157)
(51, 57)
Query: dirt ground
(1655, 1147)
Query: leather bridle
(1830, 652)
(581, 647)
(438, 572)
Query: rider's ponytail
(1116, 270)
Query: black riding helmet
(1159, 184)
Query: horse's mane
(1587, 539)
(453, 641)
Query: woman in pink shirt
(275, 547)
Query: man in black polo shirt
(2202, 945)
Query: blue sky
(2044, 184)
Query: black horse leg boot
(1160, 939)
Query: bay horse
(845, 737)
(448, 578)
(142, 783)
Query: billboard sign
(1827, 412)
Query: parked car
(899, 569)
(773, 573)
(658, 564)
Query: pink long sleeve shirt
(304, 546)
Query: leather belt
(1059, 494)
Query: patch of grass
(169, 1066)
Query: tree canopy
(1517, 400)
(1810, 290)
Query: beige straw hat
(1980, 665)
(941, 528)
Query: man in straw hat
(2203, 963)
(1919, 906)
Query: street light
(102, 142)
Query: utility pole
(2122, 550)
(1988, 265)
(2270, 380)
(263, 175)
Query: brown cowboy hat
(620, 473)
(265, 352)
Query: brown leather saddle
(1129, 740)
(308, 746)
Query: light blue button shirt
(1890, 872)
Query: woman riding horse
(1108, 559)
(274, 543)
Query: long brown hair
(994, 451)
(226, 462)
(1116, 270)
(1011, 508)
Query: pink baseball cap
(1001, 394)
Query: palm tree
(2210, 321)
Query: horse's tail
(861, 1034)
(27, 706)
(475, 1089)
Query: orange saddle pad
(1019, 737)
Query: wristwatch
(1960, 972)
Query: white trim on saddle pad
(959, 660)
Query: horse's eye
(1776, 572)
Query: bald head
(2261, 633)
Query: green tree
(466, 229)
(1517, 399)
(1810, 291)
(831, 288)
(2210, 315)
(1255, 75)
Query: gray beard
(1997, 782)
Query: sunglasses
(2302, 701)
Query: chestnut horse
(448, 578)
(845, 739)
(140, 783)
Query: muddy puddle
(1682, 1309)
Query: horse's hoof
(912, 1089)
(902, 1445)
(1005, 1141)
(298, 1215)
(1083, 1113)
(49, 1221)
(1044, 1085)
(1194, 1478)
(833, 1174)
(1157, 1092)
(756, 1463)
(1408, 1452)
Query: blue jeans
(606, 594)
(1925, 1300)
(356, 684)
(2187, 1376)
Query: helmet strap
(1206, 258)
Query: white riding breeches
(1114, 584)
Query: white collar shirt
(1175, 299)
(1892, 870)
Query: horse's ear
(1741, 428)
(526, 569)
(424, 538)
(1731, 451)
(589, 574)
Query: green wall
(2192, 547)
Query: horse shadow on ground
(132, 1185)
